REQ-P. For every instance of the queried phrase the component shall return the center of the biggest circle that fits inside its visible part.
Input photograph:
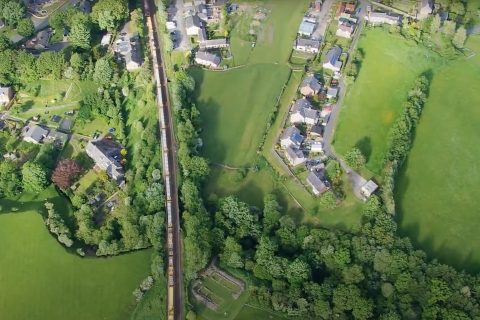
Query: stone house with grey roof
(106, 154)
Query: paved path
(355, 178)
(323, 20)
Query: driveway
(323, 20)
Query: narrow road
(355, 178)
(169, 160)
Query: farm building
(214, 43)
(332, 61)
(306, 45)
(310, 86)
(106, 154)
(207, 59)
(291, 137)
(368, 189)
(317, 185)
(376, 18)
(6, 95)
(294, 156)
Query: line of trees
(400, 138)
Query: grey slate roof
(333, 55)
(193, 21)
(317, 130)
(316, 182)
(34, 132)
(294, 153)
(306, 43)
(301, 104)
(293, 134)
(312, 83)
(206, 56)
(103, 153)
(332, 92)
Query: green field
(388, 70)
(40, 279)
(235, 106)
(437, 190)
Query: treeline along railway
(175, 303)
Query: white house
(207, 59)
(306, 45)
(368, 189)
(294, 156)
(301, 112)
(332, 61)
(291, 137)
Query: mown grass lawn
(40, 279)
(437, 191)
(388, 70)
(235, 106)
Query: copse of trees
(57, 226)
(321, 274)
(109, 13)
(12, 11)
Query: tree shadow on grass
(365, 146)
(27, 105)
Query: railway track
(168, 145)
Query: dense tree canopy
(109, 13)
(34, 177)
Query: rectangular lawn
(235, 106)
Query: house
(306, 45)
(310, 86)
(40, 41)
(214, 44)
(345, 30)
(291, 137)
(302, 112)
(6, 95)
(207, 59)
(34, 134)
(317, 132)
(106, 154)
(193, 24)
(368, 189)
(306, 28)
(294, 156)
(57, 138)
(318, 186)
(425, 9)
(349, 8)
(326, 111)
(376, 18)
(332, 93)
(332, 61)
(128, 48)
(106, 40)
(316, 147)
